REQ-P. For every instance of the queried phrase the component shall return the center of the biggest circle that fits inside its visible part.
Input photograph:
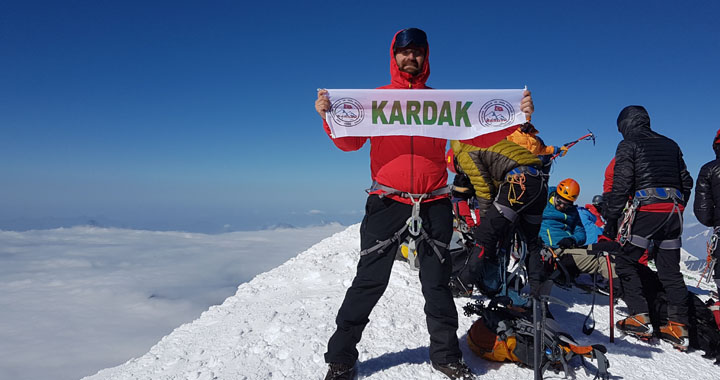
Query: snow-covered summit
(277, 325)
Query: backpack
(703, 329)
(506, 334)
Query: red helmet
(450, 160)
(568, 189)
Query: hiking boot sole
(641, 336)
(681, 346)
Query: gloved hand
(611, 229)
(563, 150)
(566, 243)
(605, 245)
(462, 187)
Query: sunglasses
(562, 202)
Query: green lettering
(427, 107)
(396, 113)
(377, 112)
(413, 112)
(445, 114)
(461, 113)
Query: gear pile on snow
(506, 333)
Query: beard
(410, 69)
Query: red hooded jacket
(413, 164)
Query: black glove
(462, 187)
(566, 243)
(611, 229)
(604, 246)
(461, 195)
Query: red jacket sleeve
(346, 144)
(609, 172)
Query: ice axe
(589, 136)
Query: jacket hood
(633, 119)
(407, 80)
(716, 144)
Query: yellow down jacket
(486, 167)
(531, 143)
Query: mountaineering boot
(457, 370)
(637, 325)
(341, 371)
(676, 334)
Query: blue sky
(194, 115)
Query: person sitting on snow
(562, 228)
(592, 219)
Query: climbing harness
(647, 196)
(627, 221)
(413, 226)
(514, 177)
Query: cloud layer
(76, 300)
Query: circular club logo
(497, 113)
(347, 112)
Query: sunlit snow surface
(277, 325)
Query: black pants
(495, 227)
(384, 217)
(636, 285)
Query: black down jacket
(644, 159)
(707, 193)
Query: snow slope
(276, 327)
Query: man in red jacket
(409, 181)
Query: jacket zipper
(412, 164)
(412, 159)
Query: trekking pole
(537, 338)
(612, 299)
(589, 136)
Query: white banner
(447, 114)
